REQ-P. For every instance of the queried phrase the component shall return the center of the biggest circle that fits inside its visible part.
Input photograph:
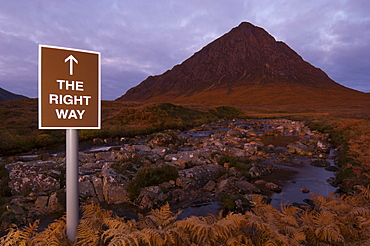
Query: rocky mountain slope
(244, 66)
(7, 96)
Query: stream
(291, 175)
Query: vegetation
(149, 176)
(19, 131)
(354, 161)
(234, 203)
(331, 221)
(227, 112)
(241, 164)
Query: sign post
(72, 190)
(69, 98)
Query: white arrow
(71, 59)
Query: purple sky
(146, 37)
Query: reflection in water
(295, 175)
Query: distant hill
(7, 96)
(245, 66)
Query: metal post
(72, 183)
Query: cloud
(142, 38)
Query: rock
(98, 187)
(201, 174)
(86, 188)
(114, 186)
(43, 157)
(98, 141)
(161, 151)
(86, 157)
(182, 163)
(254, 172)
(237, 152)
(299, 149)
(39, 176)
(260, 182)
(184, 182)
(150, 197)
(184, 159)
(245, 187)
(41, 201)
(333, 182)
(234, 133)
(54, 202)
(235, 185)
(105, 155)
(273, 187)
(15, 209)
(140, 147)
(167, 185)
(210, 186)
(302, 206)
(331, 168)
(319, 163)
(305, 190)
(161, 139)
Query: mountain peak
(244, 59)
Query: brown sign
(69, 88)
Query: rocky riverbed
(221, 164)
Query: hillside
(7, 96)
(246, 66)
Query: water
(291, 176)
(209, 209)
(294, 177)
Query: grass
(347, 124)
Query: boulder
(234, 185)
(98, 187)
(86, 188)
(201, 174)
(244, 187)
(114, 186)
(39, 176)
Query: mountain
(244, 66)
(7, 96)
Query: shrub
(226, 112)
(241, 164)
(128, 165)
(148, 176)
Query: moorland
(245, 74)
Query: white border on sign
(39, 86)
